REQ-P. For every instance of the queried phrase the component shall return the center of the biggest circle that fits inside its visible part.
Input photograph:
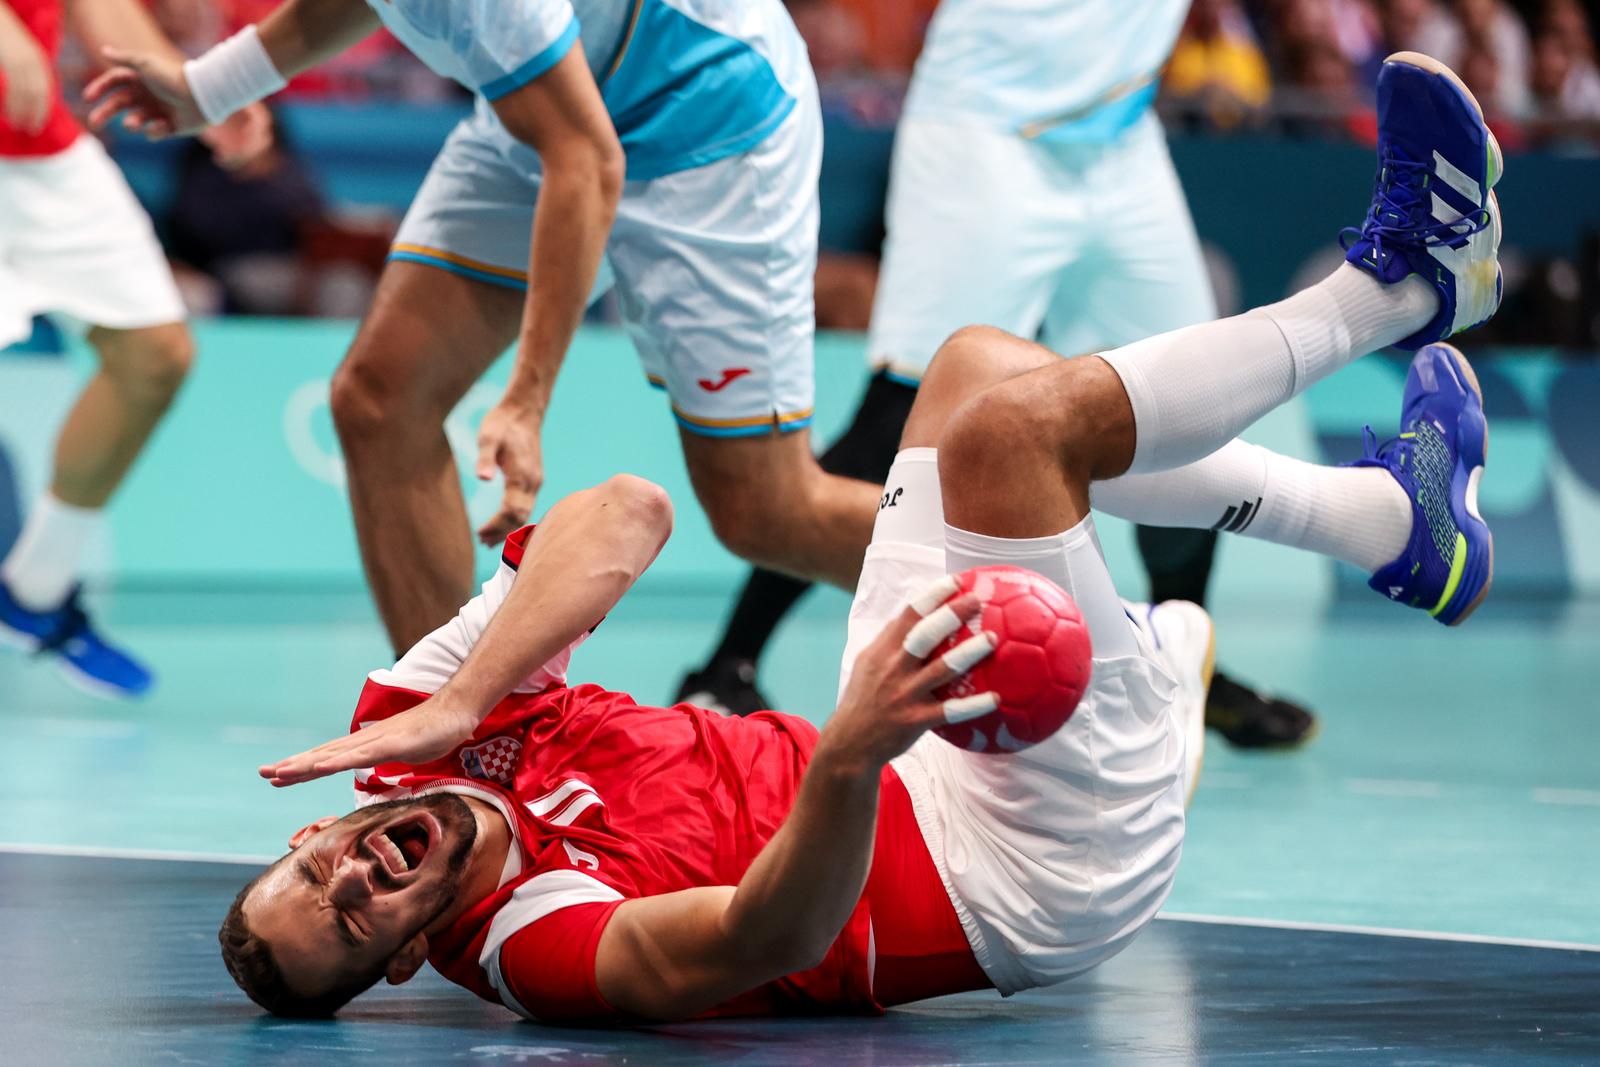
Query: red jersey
(42, 18)
(610, 800)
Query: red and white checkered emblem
(494, 760)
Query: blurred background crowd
(276, 239)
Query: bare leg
(140, 372)
(429, 336)
(1359, 515)
(772, 504)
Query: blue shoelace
(1400, 211)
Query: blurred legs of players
(429, 336)
(74, 241)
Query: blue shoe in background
(1434, 212)
(65, 634)
(1448, 565)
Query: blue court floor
(1452, 798)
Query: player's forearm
(795, 898)
(587, 552)
(125, 24)
(577, 204)
(300, 34)
(15, 40)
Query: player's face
(356, 892)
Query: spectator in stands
(1218, 65)
(244, 227)
(1425, 26)
(1493, 26)
(891, 31)
(834, 36)
(1566, 85)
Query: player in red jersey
(76, 245)
(577, 857)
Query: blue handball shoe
(1448, 565)
(83, 655)
(1434, 212)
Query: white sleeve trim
(531, 901)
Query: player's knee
(1001, 427)
(368, 402)
(739, 521)
(968, 355)
(753, 518)
(149, 365)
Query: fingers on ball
(969, 653)
(936, 594)
(963, 709)
(935, 625)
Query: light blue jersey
(687, 82)
(1059, 70)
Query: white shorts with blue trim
(1084, 246)
(713, 266)
(76, 245)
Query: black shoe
(727, 687)
(1248, 719)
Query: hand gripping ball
(1039, 667)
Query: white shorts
(1057, 856)
(75, 244)
(714, 266)
(1083, 246)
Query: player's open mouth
(401, 847)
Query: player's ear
(405, 963)
(298, 838)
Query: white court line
(94, 852)
(1566, 796)
(1375, 931)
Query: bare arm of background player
(561, 116)
(147, 82)
(586, 553)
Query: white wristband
(232, 75)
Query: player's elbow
(611, 167)
(645, 504)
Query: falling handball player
(576, 857)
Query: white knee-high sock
(43, 565)
(1356, 514)
(1072, 559)
(1197, 388)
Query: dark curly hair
(249, 960)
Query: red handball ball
(1040, 665)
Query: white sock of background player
(47, 559)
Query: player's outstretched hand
(508, 441)
(890, 701)
(417, 735)
(27, 88)
(150, 92)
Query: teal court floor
(1418, 885)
